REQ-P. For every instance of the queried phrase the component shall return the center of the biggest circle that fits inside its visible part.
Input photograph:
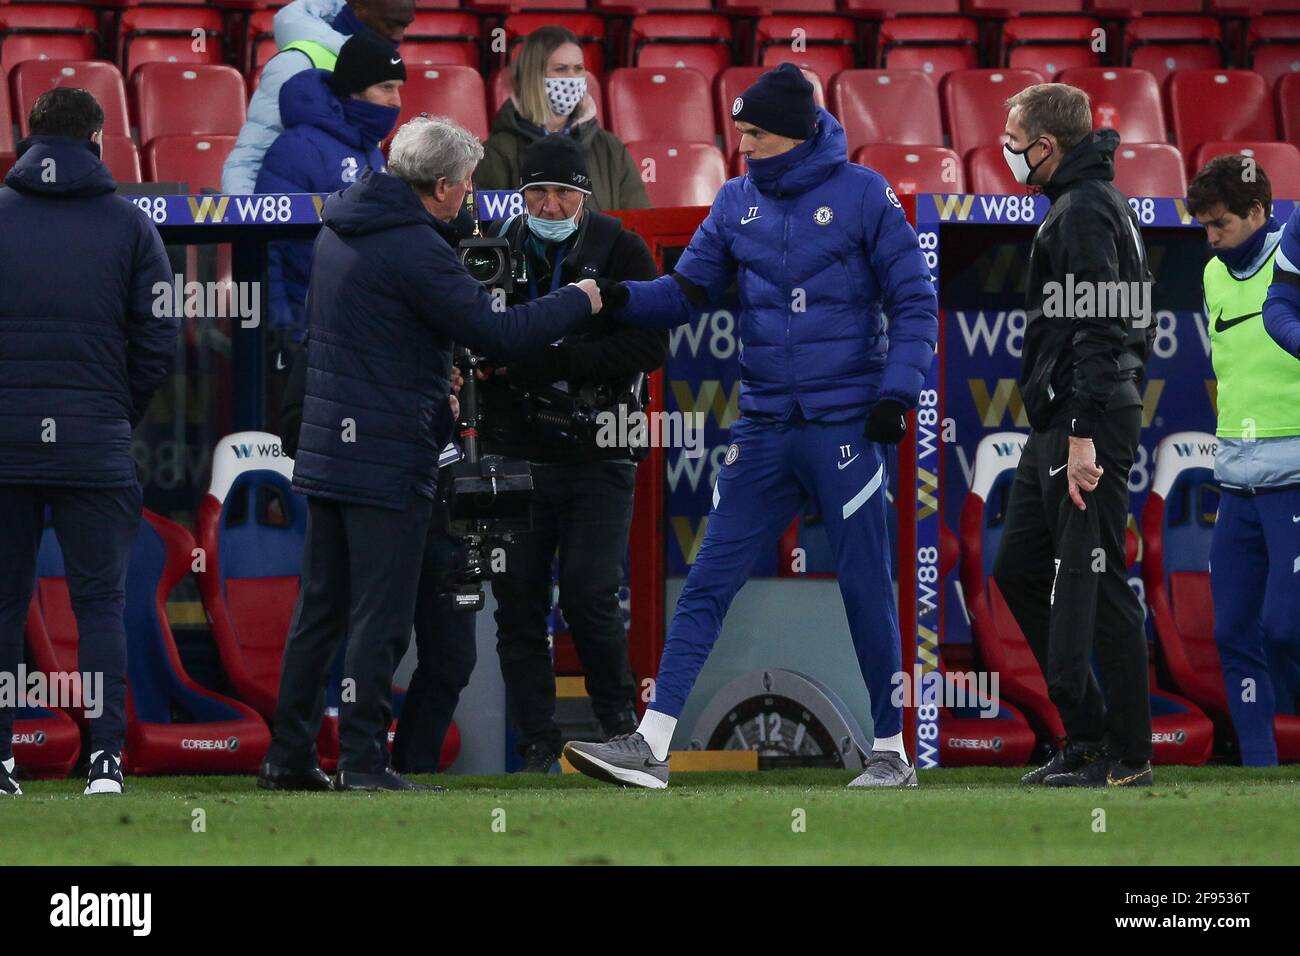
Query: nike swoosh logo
(279, 361)
(1053, 471)
(844, 464)
(1295, 519)
(749, 219)
(1222, 325)
(395, 62)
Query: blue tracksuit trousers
(1255, 583)
(771, 468)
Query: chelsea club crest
(823, 215)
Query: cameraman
(582, 494)
(387, 299)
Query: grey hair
(427, 149)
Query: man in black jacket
(582, 494)
(83, 347)
(1061, 565)
(388, 298)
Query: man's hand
(615, 295)
(455, 407)
(1082, 469)
(457, 380)
(593, 292)
(887, 422)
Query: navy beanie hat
(365, 59)
(781, 102)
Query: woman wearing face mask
(333, 124)
(550, 96)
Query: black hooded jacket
(1082, 358)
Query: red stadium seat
(699, 41)
(887, 106)
(173, 724)
(1182, 733)
(122, 158)
(442, 38)
(665, 105)
(1177, 525)
(973, 104)
(33, 77)
(195, 160)
(1050, 44)
(46, 743)
(934, 45)
(915, 169)
(47, 31)
(499, 91)
(734, 81)
(640, 7)
(763, 8)
(1288, 104)
(987, 172)
(1164, 45)
(165, 35)
(179, 98)
(454, 91)
(7, 145)
(1123, 99)
(588, 27)
(1274, 46)
(1213, 105)
(825, 45)
(682, 174)
(1150, 169)
(259, 40)
(1281, 161)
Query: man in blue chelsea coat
(816, 245)
(388, 299)
(86, 338)
(333, 125)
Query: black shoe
(387, 779)
(1068, 759)
(8, 784)
(1130, 775)
(539, 758)
(1092, 773)
(621, 725)
(271, 777)
(105, 774)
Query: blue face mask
(373, 120)
(553, 230)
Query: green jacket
(615, 179)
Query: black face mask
(96, 149)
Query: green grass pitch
(1210, 815)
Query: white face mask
(565, 93)
(1019, 162)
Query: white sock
(657, 729)
(892, 744)
(8, 765)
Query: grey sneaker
(626, 760)
(885, 768)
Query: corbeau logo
(36, 739)
(972, 743)
(230, 744)
(1169, 737)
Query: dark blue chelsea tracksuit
(816, 245)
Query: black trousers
(96, 528)
(445, 657)
(584, 511)
(1064, 576)
(360, 575)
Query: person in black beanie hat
(780, 102)
(365, 60)
(582, 493)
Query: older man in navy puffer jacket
(82, 351)
(817, 245)
(389, 298)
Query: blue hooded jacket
(81, 349)
(1282, 306)
(325, 145)
(389, 297)
(817, 245)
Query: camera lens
(485, 265)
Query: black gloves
(613, 295)
(887, 422)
